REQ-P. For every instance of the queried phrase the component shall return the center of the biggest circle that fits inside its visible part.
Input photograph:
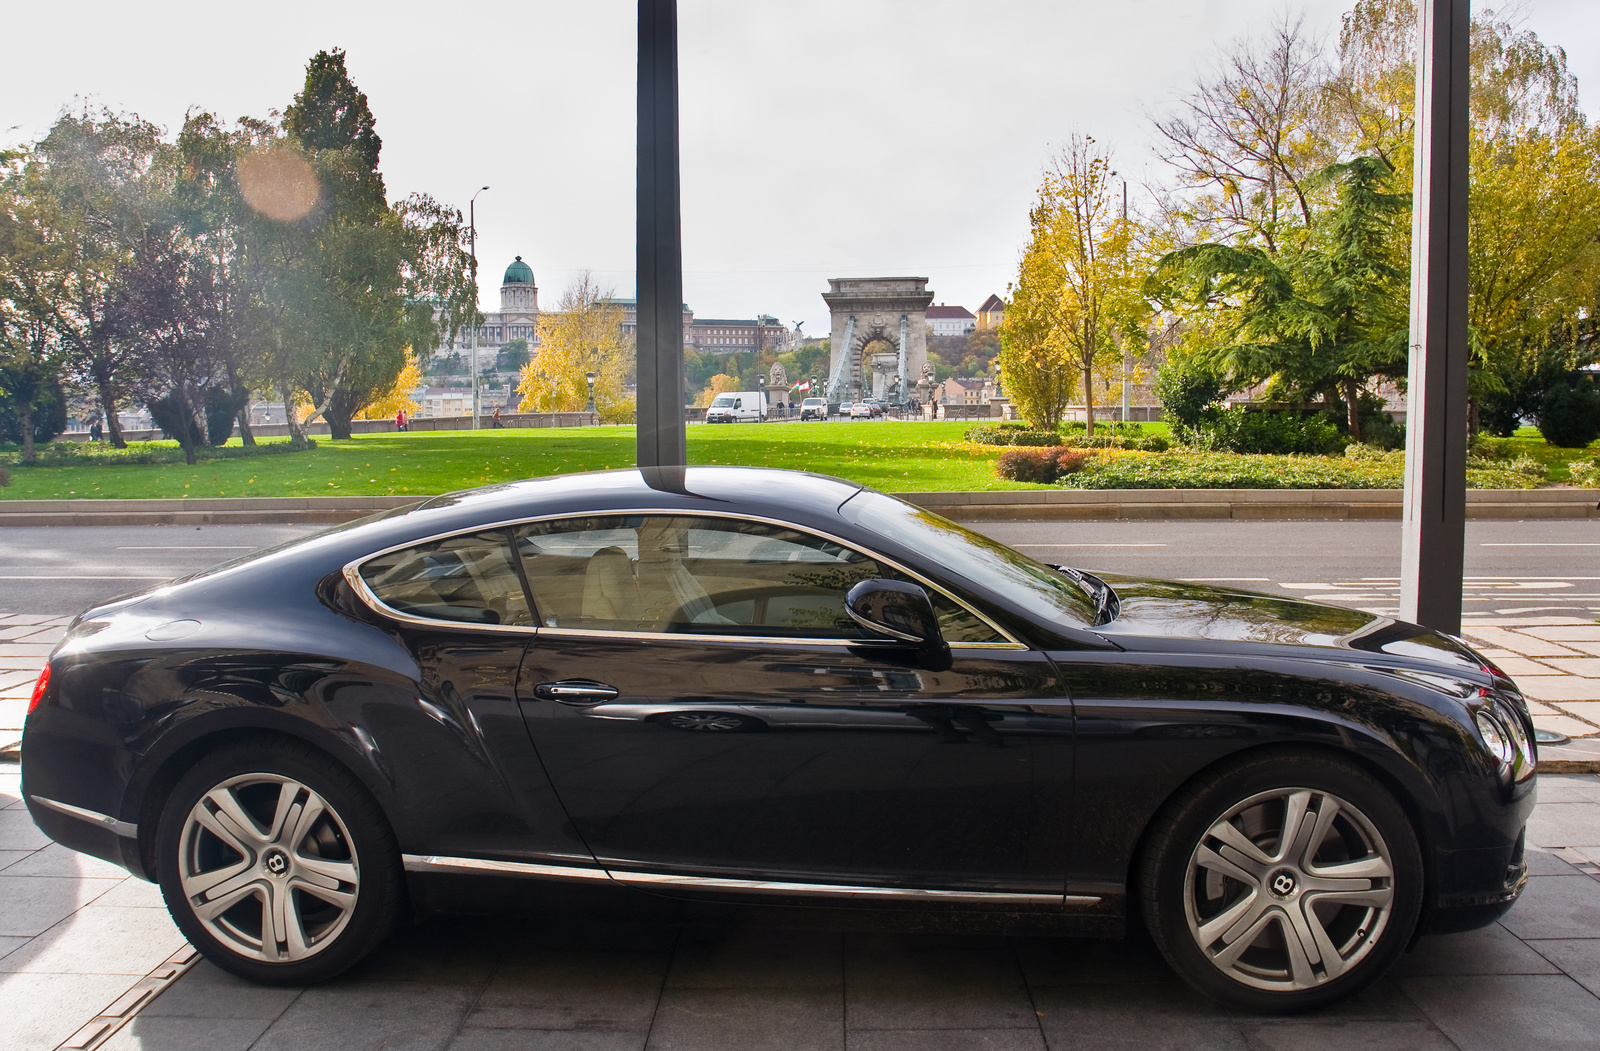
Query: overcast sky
(821, 138)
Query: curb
(1033, 505)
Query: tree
(582, 335)
(1314, 320)
(512, 356)
(1076, 298)
(32, 352)
(397, 397)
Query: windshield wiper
(1106, 603)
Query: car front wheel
(277, 864)
(1282, 883)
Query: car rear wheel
(1283, 882)
(277, 864)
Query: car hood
(1168, 609)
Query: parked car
(737, 406)
(860, 411)
(814, 409)
(877, 406)
(733, 685)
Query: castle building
(517, 318)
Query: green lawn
(898, 457)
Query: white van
(736, 405)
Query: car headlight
(1495, 737)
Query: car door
(704, 706)
(459, 607)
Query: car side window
(720, 576)
(470, 579)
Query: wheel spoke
(343, 899)
(229, 809)
(237, 839)
(208, 911)
(1294, 818)
(1236, 948)
(325, 873)
(1226, 832)
(1327, 810)
(1298, 945)
(217, 883)
(305, 821)
(1367, 868)
(1377, 898)
(1207, 858)
(283, 814)
(1242, 913)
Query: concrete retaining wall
(1021, 506)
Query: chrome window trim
(484, 866)
(352, 576)
(122, 828)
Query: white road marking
(189, 547)
(85, 577)
(1221, 580)
(1540, 545)
(1088, 545)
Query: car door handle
(575, 691)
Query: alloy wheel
(1289, 889)
(268, 867)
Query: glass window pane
(461, 578)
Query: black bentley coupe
(731, 688)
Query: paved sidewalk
(25, 642)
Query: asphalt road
(1512, 568)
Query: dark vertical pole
(660, 241)
(1434, 537)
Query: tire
(278, 832)
(1311, 923)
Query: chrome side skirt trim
(94, 817)
(435, 863)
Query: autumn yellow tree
(582, 335)
(719, 383)
(398, 396)
(1077, 294)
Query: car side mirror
(902, 612)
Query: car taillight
(39, 687)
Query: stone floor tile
(1346, 1036)
(50, 635)
(1565, 632)
(1564, 724)
(748, 1019)
(1546, 863)
(757, 958)
(18, 832)
(11, 857)
(573, 989)
(42, 1010)
(367, 1016)
(56, 860)
(146, 1033)
(1564, 824)
(1588, 711)
(945, 1040)
(35, 652)
(1491, 950)
(1509, 1012)
(1516, 642)
(459, 950)
(1569, 788)
(1554, 907)
(1591, 648)
(895, 981)
(1559, 689)
(1577, 957)
(1136, 1017)
(1588, 667)
(1517, 667)
(100, 940)
(8, 943)
(208, 991)
(1091, 961)
(13, 713)
(31, 905)
(545, 1040)
(133, 893)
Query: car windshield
(1012, 575)
(722, 401)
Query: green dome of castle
(518, 273)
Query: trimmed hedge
(1011, 435)
(76, 454)
(1189, 470)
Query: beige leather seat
(609, 591)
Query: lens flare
(279, 184)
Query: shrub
(1011, 434)
(1570, 415)
(1244, 430)
(1186, 390)
(1485, 447)
(1191, 470)
(1585, 473)
(1039, 465)
(1154, 443)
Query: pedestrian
(96, 432)
(494, 421)
(400, 420)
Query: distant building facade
(964, 391)
(991, 313)
(951, 321)
(517, 318)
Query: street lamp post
(472, 244)
(591, 377)
(761, 387)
